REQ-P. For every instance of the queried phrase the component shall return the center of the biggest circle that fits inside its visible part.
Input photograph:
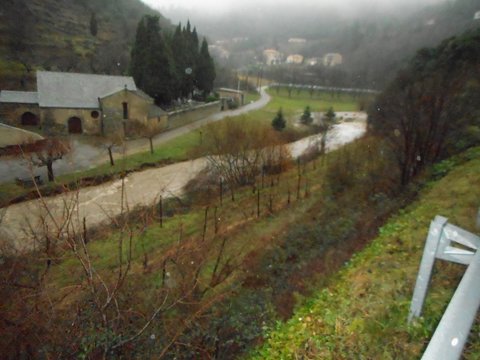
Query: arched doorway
(29, 119)
(74, 125)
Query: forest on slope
(91, 36)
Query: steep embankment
(362, 314)
(62, 35)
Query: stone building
(294, 59)
(80, 103)
(231, 95)
(272, 57)
(332, 59)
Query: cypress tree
(152, 64)
(205, 70)
(139, 51)
(179, 50)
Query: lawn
(294, 105)
(251, 97)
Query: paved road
(99, 203)
(87, 152)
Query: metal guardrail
(443, 242)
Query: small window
(125, 110)
(95, 114)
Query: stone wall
(138, 106)
(12, 113)
(187, 116)
(91, 125)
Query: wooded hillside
(92, 36)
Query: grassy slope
(362, 314)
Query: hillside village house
(80, 103)
(332, 59)
(294, 59)
(272, 57)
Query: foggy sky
(221, 6)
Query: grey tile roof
(71, 90)
(19, 97)
(143, 94)
(138, 92)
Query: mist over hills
(375, 38)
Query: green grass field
(294, 105)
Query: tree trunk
(111, 156)
(323, 143)
(151, 145)
(51, 177)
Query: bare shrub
(148, 130)
(237, 151)
(363, 165)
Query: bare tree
(148, 130)
(112, 140)
(48, 151)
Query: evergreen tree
(178, 47)
(306, 116)
(278, 122)
(205, 70)
(330, 115)
(170, 66)
(190, 39)
(139, 50)
(152, 64)
(194, 42)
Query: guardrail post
(426, 266)
(454, 327)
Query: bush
(306, 118)
(278, 122)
